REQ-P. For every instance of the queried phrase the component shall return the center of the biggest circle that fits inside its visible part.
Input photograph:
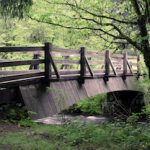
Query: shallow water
(61, 119)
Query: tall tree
(111, 20)
(127, 20)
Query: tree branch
(147, 10)
(93, 14)
(76, 28)
(136, 8)
(124, 36)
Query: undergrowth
(16, 114)
(112, 135)
(79, 136)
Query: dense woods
(108, 24)
(97, 25)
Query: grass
(79, 136)
(117, 135)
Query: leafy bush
(90, 106)
(16, 114)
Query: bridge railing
(48, 63)
(84, 64)
(14, 71)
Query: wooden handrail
(21, 49)
(92, 64)
(11, 63)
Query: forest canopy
(15, 8)
(114, 22)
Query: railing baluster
(82, 65)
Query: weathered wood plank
(89, 68)
(132, 57)
(117, 56)
(66, 54)
(112, 66)
(67, 62)
(54, 66)
(17, 72)
(65, 72)
(21, 76)
(62, 50)
(94, 62)
(129, 67)
(20, 62)
(21, 49)
(19, 82)
(94, 54)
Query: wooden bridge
(55, 78)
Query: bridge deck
(48, 64)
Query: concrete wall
(60, 95)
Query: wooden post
(82, 65)
(48, 48)
(64, 66)
(124, 65)
(107, 66)
(36, 56)
(138, 66)
(88, 66)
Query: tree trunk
(146, 54)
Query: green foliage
(27, 122)
(14, 8)
(16, 114)
(133, 118)
(107, 136)
(28, 32)
(142, 67)
(90, 106)
(146, 112)
(144, 85)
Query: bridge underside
(60, 95)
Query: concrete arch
(62, 94)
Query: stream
(61, 119)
